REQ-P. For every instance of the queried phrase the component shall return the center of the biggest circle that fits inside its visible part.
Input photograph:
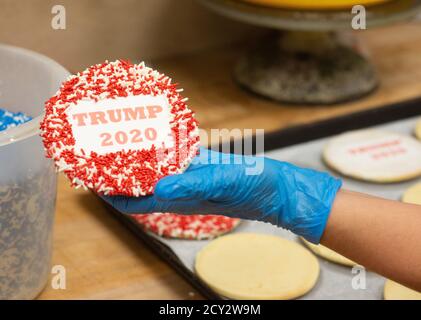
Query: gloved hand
(287, 196)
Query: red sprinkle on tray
(192, 227)
(132, 172)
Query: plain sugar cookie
(257, 266)
(328, 254)
(418, 130)
(413, 194)
(396, 291)
(374, 155)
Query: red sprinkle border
(133, 172)
(192, 227)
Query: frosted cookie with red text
(117, 128)
(191, 227)
(374, 156)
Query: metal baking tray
(301, 145)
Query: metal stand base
(305, 68)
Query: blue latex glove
(253, 188)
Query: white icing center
(375, 155)
(121, 124)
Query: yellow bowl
(314, 4)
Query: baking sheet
(335, 281)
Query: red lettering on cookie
(97, 118)
(80, 118)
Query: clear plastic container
(27, 178)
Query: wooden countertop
(105, 261)
(102, 259)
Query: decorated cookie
(374, 155)
(117, 128)
(194, 227)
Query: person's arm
(381, 235)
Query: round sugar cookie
(314, 5)
(192, 227)
(257, 266)
(374, 156)
(418, 130)
(413, 194)
(117, 128)
(328, 254)
(396, 291)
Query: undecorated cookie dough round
(413, 194)
(418, 130)
(329, 254)
(257, 266)
(374, 155)
(396, 291)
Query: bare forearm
(382, 235)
